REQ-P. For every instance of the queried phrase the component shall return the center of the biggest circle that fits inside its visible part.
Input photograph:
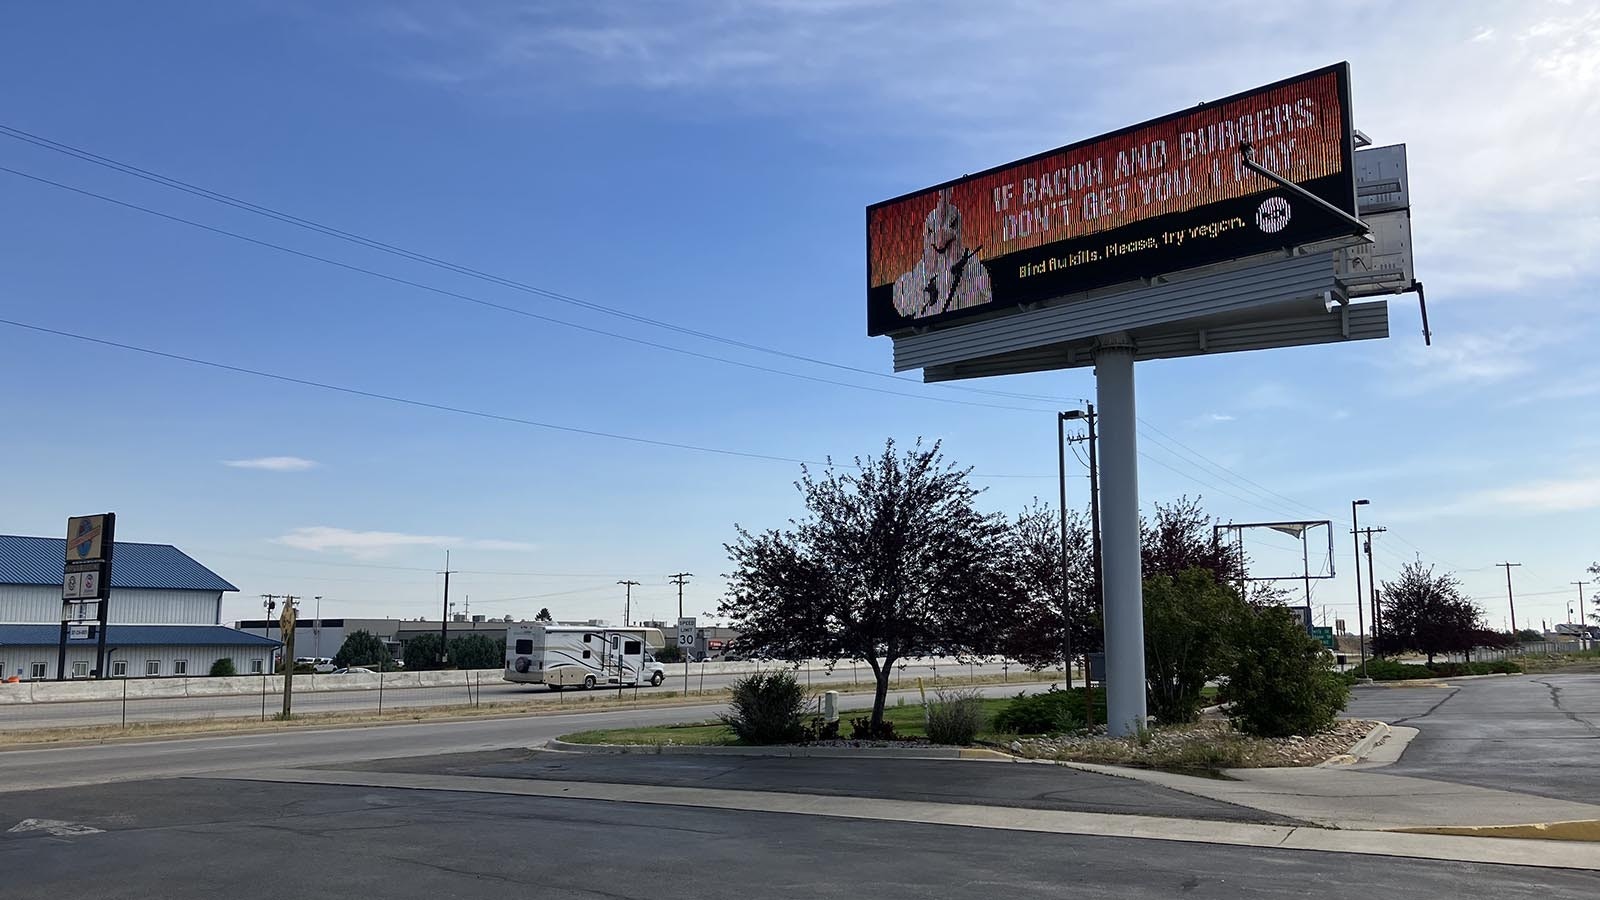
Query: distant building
(165, 614)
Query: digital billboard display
(1154, 198)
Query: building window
(255, 667)
(119, 668)
(152, 667)
(36, 671)
(80, 669)
(180, 667)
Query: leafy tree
(671, 653)
(476, 651)
(223, 668)
(1039, 626)
(1280, 681)
(544, 615)
(893, 560)
(1428, 613)
(361, 648)
(422, 651)
(1528, 634)
(1180, 537)
(1189, 620)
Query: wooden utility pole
(627, 602)
(1510, 599)
(286, 622)
(444, 620)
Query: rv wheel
(657, 678)
(588, 682)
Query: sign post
(685, 641)
(286, 623)
(1213, 229)
(86, 576)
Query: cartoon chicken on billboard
(949, 276)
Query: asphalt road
(22, 769)
(931, 780)
(205, 839)
(1537, 734)
(493, 690)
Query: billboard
(1153, 198)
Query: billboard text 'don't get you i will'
(1147, 200)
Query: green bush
(1187, 624)
(1051, 712)
(668, 654)
(223, 668)
(476, 651)
(767, 708)
(1280, 681)
(862, 729)
(422, 652)
(956, 716)
(1389, 670)
(361, 648)
(1496, 667)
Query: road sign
(686, 632)
(1324, 635)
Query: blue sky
(707, 164)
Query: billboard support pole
(1119, 484)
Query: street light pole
(1361, 625)
(1583, 630)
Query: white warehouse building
(165, 614)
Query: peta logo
(1273, 216)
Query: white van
(577, 656)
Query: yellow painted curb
(1580, 830)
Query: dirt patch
(1204, 746)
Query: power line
(437, 407)
(415, 256)
(490, 304)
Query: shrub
(668, 654)
(955, 717)
(361, 648)
(422, 651)
(1280, 681)
(1389, 670)
(862, 729)
(767, 708)
(1187, 624)
(1497, 667)
(476, 651)
(1051, 712)
(223, 668)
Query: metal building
(165, 613)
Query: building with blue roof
(165, 613)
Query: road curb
(970, 753)
(1361, 749)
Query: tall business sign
(85, 580)
(1229, 226)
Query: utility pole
(1372, 586)
(286, 625)
(681, 579)
(444, 620)
(627, 602)
(1511, 600)
(1583, 630)
(1361, 601)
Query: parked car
(353, 670)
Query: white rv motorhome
(563, 656)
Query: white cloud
(1553, 495)
(1497, 102)
(273, 463)
(374, 544)
(1214, 419)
